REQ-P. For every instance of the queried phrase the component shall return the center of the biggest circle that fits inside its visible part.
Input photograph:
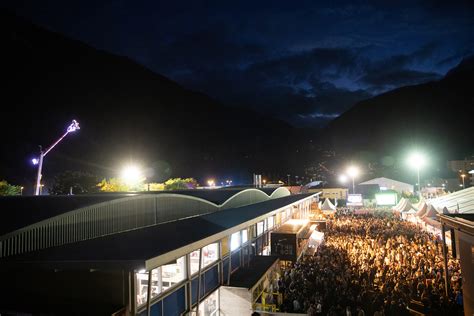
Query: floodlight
(131, 175)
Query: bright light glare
(353, 171)
(416, 160)
(343, 178)
(211, 182)
(131, 175)
(35, 161)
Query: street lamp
(417, 161)
(39, 161)
(463, 176)
(353, 172)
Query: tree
(153, 186)
(80, 182)
(113, 185)
(9, 189)
(117, 185)
(180, 184)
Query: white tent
(408, 213)
(403, 206)
(420, 204)
(430, 212)
(328, 206)
(390, 184)
(422, 210)
(399, 204)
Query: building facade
(145, 254)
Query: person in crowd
(374, 264)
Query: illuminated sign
(354, 200)
(386, 199)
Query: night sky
(305, 61)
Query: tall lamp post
(417, 161)
(463, 176)
(353, 172)
(39, 161)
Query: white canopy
(430, 212)
(328, 206)
(422, 210)
(399, 204)
(420, 204)
(403, 206)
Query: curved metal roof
(134, 248)
(21, 211)
(37, 223)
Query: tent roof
(327, 206)
(430, 212)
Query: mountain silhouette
(126, 112)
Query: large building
(389, 184)
(166, 253)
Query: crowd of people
(373, 265)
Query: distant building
(461, 165)
(331, 193)
(389, 184)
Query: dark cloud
(315, 62)
(305, 63)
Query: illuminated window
(173, 273)
(244, 236)
(224, 246)
(259, 228)
(235, 241)
(209, 306)
(210, 254)
(270, 222)
(194, 261)
(142, 287)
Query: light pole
(353, 172)
(288, 179)
(71, 128)
(417, 161)
(463, 176)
